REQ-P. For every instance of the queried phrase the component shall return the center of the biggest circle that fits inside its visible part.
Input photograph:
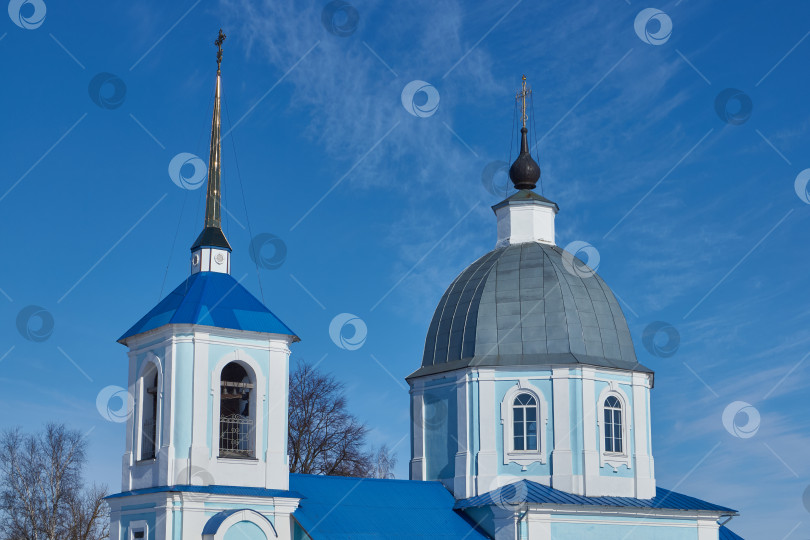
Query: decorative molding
(254, 371)
(199, 332)
(137, 526)
(138, 402)
(614, 459)
(252, 516)
(524, 457)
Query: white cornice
(180, 333)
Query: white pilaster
(487, 457)
(128, 459)
(708, 529)
(561, 459)
(276, 403)
(645, 481)
(589, 434)
(461, 483)
(539, 525)
(201, 448)
(418, 429)
(169, 391)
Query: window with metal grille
(149, 409)
(236, 421)
(613, 424)
(524, 423)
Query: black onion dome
(524, 172)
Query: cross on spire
(521, 96)
(524, 172)
(220, 40)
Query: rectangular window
(531, 428)
(517, 429)
(617, 431)
(137, 530)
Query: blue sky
(690, 200)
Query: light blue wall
(262, 358)
(182, 398)
(626, 379)
(265, 509)
(621, 471)
(535, 469)
(215, 354)
(148, 517)
(245, 530)
(575, 415)
(137, 507)
(440, 419)
(177, 522)
(440, 405)
(640, 531)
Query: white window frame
(137, 526)
(257, 403)
(150, 361)
(615, 459)
(523, 457)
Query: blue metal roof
(532, 492)
(219, 490)
(342, 508)
(211, 299)
(727, 534)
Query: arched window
(149, 414)
(524, 417)
(613, 425)
(236, 418)
(524, 423)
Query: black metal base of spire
(211, 237)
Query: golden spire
(521, 96)
(213, 212)
(212, 238)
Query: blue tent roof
(211, 299)
(532, 492)
(342, 508)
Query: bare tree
(383, 463)
(41, 492)
(324, 438)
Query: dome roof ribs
(520, 306)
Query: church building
(530, 413)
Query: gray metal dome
(519, 306)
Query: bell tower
(206, 443)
